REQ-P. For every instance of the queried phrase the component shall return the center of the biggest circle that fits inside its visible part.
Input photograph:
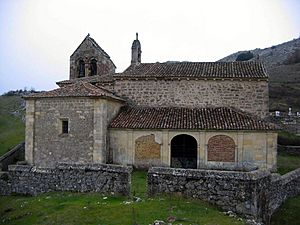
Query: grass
(93, 208)
(287, 163)
(11, 127)
(288, 213)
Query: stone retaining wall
(12, 156)
(104, 178)
(255, 194)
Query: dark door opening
(184, 152)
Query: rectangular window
(65, 126)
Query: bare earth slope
(283, 65)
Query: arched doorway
(184, 152)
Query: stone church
(174, 114)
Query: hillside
(12, 127)
(283, 66)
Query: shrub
(245, 56)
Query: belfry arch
(184, 151)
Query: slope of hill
(283, 65)
(12, 127)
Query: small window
(93, 67)
(65, 126)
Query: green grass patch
(12, 128)
(93, 208)
(288, 213)
(287, 163)
(139, 183)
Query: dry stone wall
(288, 149)
(254, 194)
(12, 156)
(5, 187)
(283, 187)
(250, 96)
(103, 178)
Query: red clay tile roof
(80, 89)
(250, 70)
(187, 118)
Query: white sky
(37, 37)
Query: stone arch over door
(184, 152)
(221, 148)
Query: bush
(245, 56)
(286, 138)
(20, 92)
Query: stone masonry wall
(288, 149)
(104, 178)
(50, 144)
(88, 52)
(283, 187)
(250, 96)
(12, 156)
(4, 184)
(254, 194)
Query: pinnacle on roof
(136, 51)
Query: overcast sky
(37, 37)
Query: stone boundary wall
(240, 192)
(12, 156)
(255, 194)
(32, 180)
(292, 150)
(283, 187)
(286, 123)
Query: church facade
(174, 114)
